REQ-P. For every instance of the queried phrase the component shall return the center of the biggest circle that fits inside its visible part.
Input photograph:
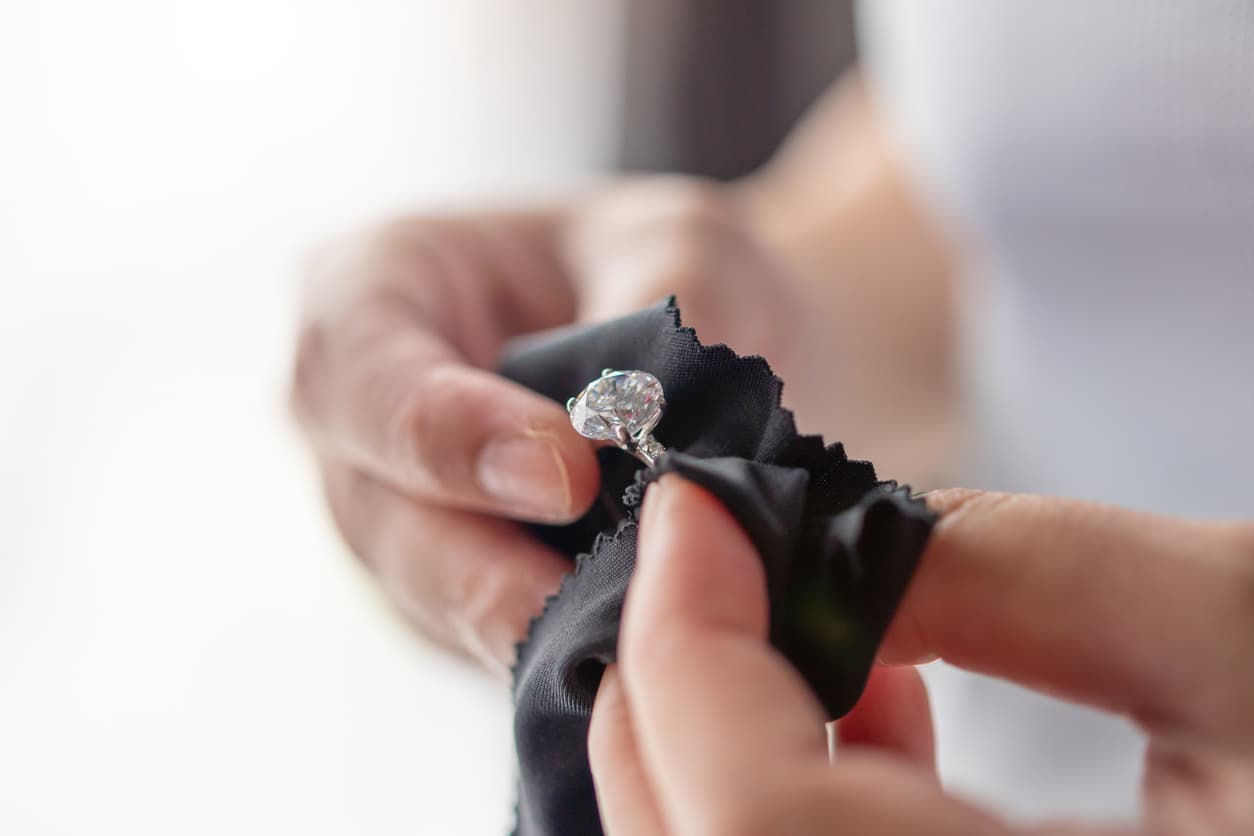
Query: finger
(669, 236)
(711, 702)
(1198, 790)
(397, 402)
(663, 235)
(730, 735)
(470, 582)
(893, 714)
(1133, 612)
(624, 796)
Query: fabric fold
(838, 546)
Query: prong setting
(622, 407)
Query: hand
(428, 457)
(704, 728)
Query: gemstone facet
(618, 406)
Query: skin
(822, 262)
(1146, 616)
(430, 460)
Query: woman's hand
(429, 458)
(704, 728)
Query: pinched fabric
(839, 547)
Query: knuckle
(699, 237)
(377, 266)
(333, 271)
(694, 257)
(682, 278)
(337, 318)
(693, 253)
(700, 203)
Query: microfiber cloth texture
(839, 546)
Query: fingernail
(654, 498)
(526, 473)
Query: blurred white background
(184, 645)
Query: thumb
(408, 411)
(729, 733)
(710, 699)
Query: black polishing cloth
(839, 546)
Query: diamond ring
(622, 407)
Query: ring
(622, 407)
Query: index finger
(1141, 614)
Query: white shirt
(1097, 162)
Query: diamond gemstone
(630, 400)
